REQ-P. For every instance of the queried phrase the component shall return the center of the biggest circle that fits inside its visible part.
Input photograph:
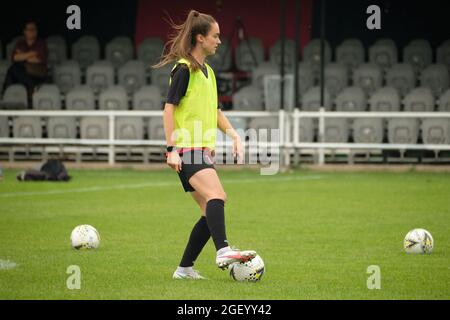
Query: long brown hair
(184, 38)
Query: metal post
(322, 52)
(111, 122)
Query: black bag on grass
(52, 170)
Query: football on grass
(418, 241)
(250, 271)
(85, 237)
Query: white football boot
(224, 259)
(189, 275)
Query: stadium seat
(369, 77)
(249, 54)
(61, 128)
(94, 128)
(444, 102)
(289, 54)
(272, 91)
(100, 75)
(436, 131)
(118, 51)
(311, 100)
(80, 98)
(147, 98)
(150, 51)
(67, 75)
(221, 60)
(16, 94)
(263, 69)
(305, 77)
(47, 97)
(351, 99)
(249, 98)
(86, 50)
(443, 54)
(383, 53)
(132, 75)
(4, 127)
(113, 98)
(311, 54)
(419, 99)
(156, 129)
(306, 130)
(10, 47)
(262, 126)
(435, 77)
(418, 54)
(336, 130)
(401, 76)
(160, 78)
(129, 128)
(57, 50)
(336, 78)
(368, 130)
(27, 127)
(351, 54)
(403, 131)
(4, 65)
(384, 100)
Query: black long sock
(215, 216)
(197, 240)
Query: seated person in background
(29, 59)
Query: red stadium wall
(260, 17)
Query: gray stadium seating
(443, 54)
(351, 99)
(47, 97)
(305, 77)
(27, 127)
(113, 98)
(150, 51)
(311, 100)
(419, 99)
(132, 75)
(289, 54)
(61, 128)
(156, 128)
(160, 78)
(336, 130)
(383, 53)
(100, 75)
(444, 102)
(418, 54)
(368, 130)
(221, 60)
(249, 54)
(4, 65)
(94, 128)
(436, 131)
(147, 98)
(129, 128)
(249, 98)
(401, 76)
(311, 54)
(435, 77)
(67, 75)
(263, 69)
(306, 130)
(57, 50)
(86, 50)
(369, 77)
(263, 126)
(17, 94)
(118, 51)
(403, 131)
(385, 99)
(80, 98)
(4, 127)
(350, 53)
(336, 78)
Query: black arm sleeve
(179, 84)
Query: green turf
(317, 233)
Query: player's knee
(217, 195)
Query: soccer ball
(418, 241)
(85, 237)
(251, 271)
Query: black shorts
(194, 160)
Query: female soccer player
(191, 119)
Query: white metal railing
(286, 122)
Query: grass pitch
(317, 233)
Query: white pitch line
(145, 185)
(7, 264)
